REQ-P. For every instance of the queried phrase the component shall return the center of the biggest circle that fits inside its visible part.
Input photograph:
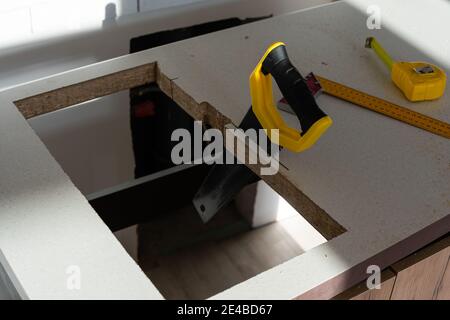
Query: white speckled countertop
(385, 182)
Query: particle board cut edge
(87, 90)
(149, 73)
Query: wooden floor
(186, 259)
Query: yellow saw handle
(314, 122)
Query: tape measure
(384, 107)
(419, 81)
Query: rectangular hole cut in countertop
(183, 257)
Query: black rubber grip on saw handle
(293, 87)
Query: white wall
(146, 5)
(22, 21)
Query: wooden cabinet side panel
(444, 288)
(424, 275)
(421, 276)
(360, 291)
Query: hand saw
(224, 181)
